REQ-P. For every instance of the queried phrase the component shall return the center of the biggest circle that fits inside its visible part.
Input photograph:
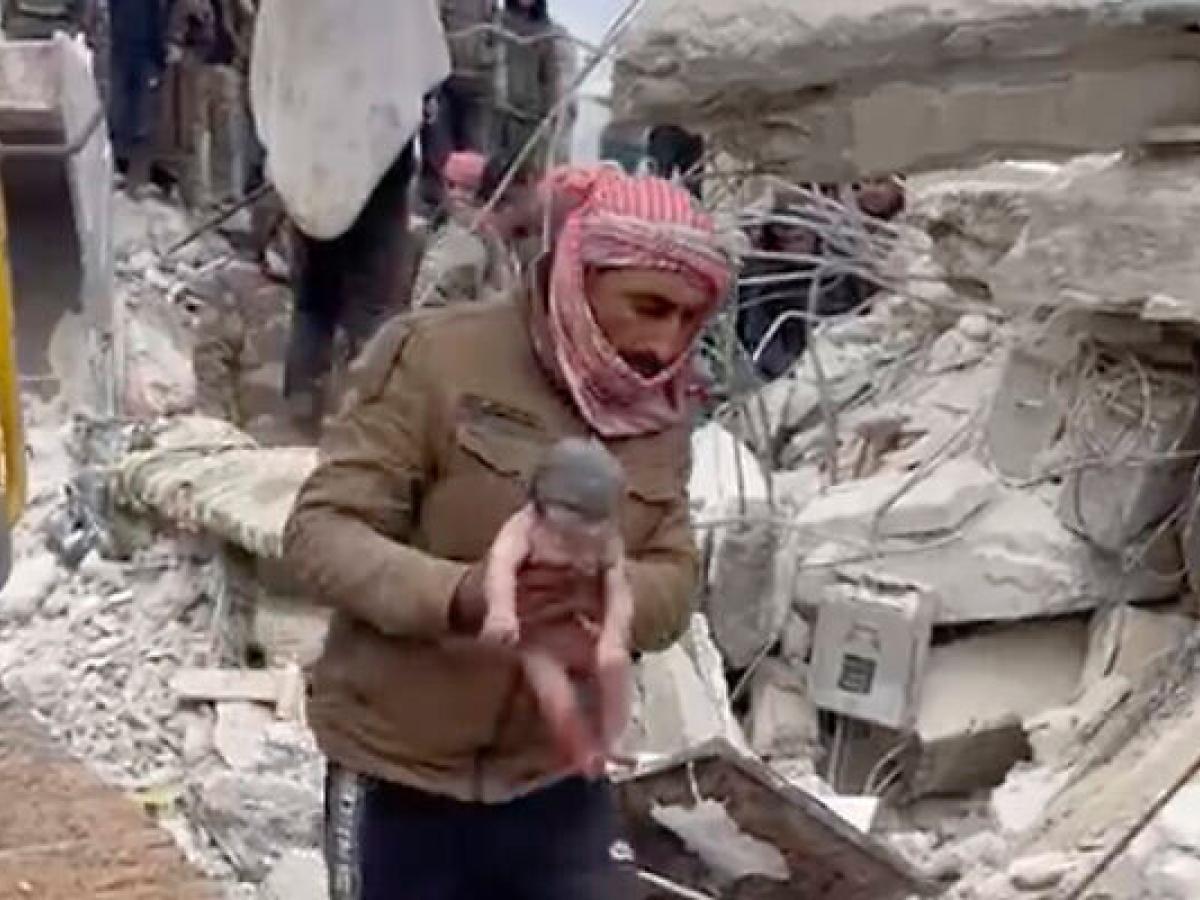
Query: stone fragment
(797, 639)
(783, 719)
(300, 875)
(985, 850)
(103, 571)
(198, 735)
(255, 818)
(1057, 734)
(938, 503)
(1018, 803)
(683, 698)
(975, 327)
(1039, 873)
(261, 686)
(748, 596)
(31, 582)
(239, 732)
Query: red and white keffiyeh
(614, 221)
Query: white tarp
(337, 88)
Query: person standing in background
(200, 42)
(138, 59)
(459, 115)
(528, 79)
(337, 92)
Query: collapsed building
(947, 638)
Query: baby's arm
(510, 549)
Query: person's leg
(319, 280)
(557, 844)
(384, 841)
(193, 113)
(374, 256)
(224, 158)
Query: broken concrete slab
(1015, 560)
(747, 596)
(783, 719)
(970, 718)
(1030, 403)
(682, 699)
(819, 848)
(725, 474)
(215, 685)
(839, 92)
(1109, 240)
(896, 504)
(1146, 436)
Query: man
(443, 780)
(337, 93)
(200, 42)
(461, 108)
(138, 59)
(677, 153)
(470, 257)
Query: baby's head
(580, 478)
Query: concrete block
(1108, 240)
(682, 698)
(838, 91)
(979, 690)
(939, 503)
(300, 875)
(869, 654)
(783, 719)
(748, 594)
(1015, 560)
(1156, 424)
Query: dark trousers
(354, 282)
(130, 102)
(385, 842)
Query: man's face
(651, 318)
(460, 197)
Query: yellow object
(12, 432)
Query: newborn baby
(571, 520)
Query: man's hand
(546, 595)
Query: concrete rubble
(832, 92)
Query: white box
(869, 652)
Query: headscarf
(464, 168)
(612, 221)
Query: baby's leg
(613, 666)
(561, 710)
(509, 551)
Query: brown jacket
(449, 414)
